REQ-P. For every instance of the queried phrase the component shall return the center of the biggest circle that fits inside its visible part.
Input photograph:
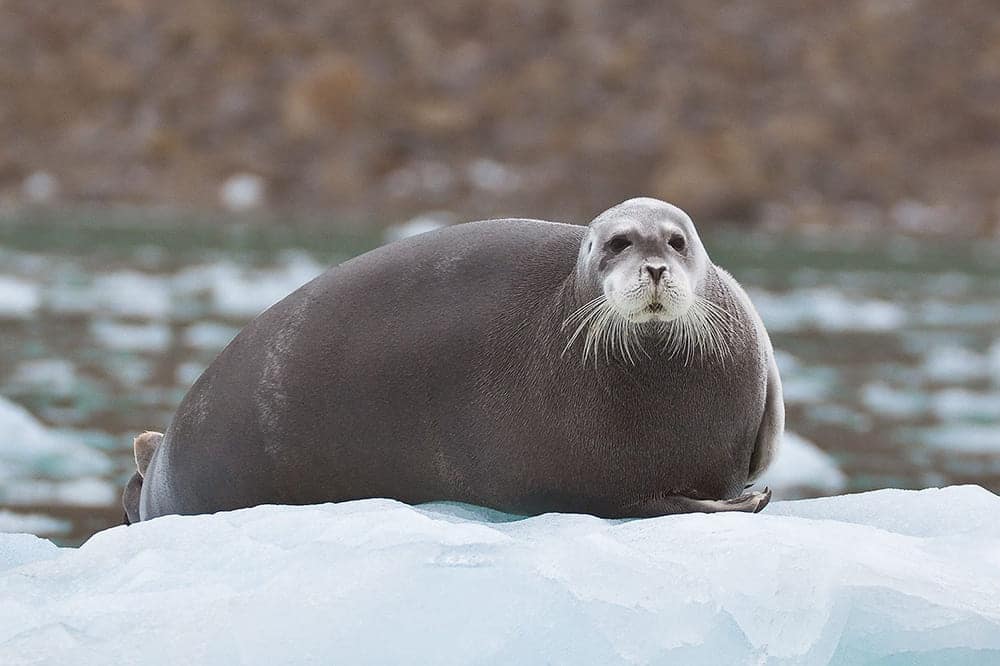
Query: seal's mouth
(654, 307)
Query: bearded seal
(522, 365)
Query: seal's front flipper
(752, 502)
(143, 447)
(130, 499)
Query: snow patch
(18, 549)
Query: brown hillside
(816, 111)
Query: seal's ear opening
(144, 447)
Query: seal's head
(645, 258)
(640, 274)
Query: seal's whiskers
(704, 328)
(607, 331)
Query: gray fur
(772, 425)
(434, 369)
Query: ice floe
(883, 577)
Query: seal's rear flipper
(143, 446)
(753, 502)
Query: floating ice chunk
(153, 336)
(29, 449)
(57, 376)
(123, 293)
(803, 384)
(420, 224)
(242, 293)
(802, 467)
(914, 215)
(938, 313)
(492, 176)
(40, 187)
(242, 191)
(188, 373)
(873, 578)
(18, 298)
(88, 491)
(132, 294)
(130, 370)
(994, 361)
(33, 523)
(209, 335)
(954, 365)
(969, 438)
(840, 415)
(418, 179)
(826, 309)
(884, 399)
(808, 386)
(959, 403)
(786, 361)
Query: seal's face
(646, 258)
(640, 276)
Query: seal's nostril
(656, 272)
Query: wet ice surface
(889, 351)
(842, 580)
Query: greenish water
(889, 346)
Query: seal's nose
(656, 271)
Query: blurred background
(168, 170)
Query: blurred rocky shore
(859, 113)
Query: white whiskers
(604, 330)
(704, 329)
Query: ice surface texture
(883, 577)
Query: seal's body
(461, 365)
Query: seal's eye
(677, 242)
(619, 244)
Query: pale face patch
(646, 262)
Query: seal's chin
(653, 312)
